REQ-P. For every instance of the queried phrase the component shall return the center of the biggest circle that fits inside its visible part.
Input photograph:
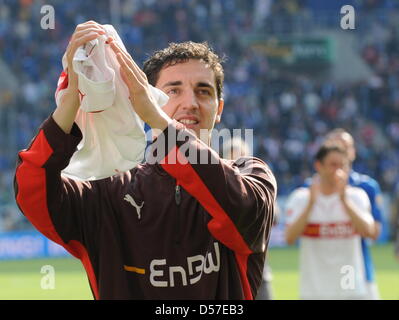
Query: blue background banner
(27, 245)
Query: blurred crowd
(289, 112)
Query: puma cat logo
(130, 199)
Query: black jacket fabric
(159, 231)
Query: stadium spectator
(329, 218)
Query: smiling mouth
(188, 122)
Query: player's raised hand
(314, 188)
(139, 89)
(341, 180)
(83, 33)
(66, 111)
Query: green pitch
(22, 279)
(284, 263)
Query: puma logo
(129, 199)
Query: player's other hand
(314, 188)
(341, 182)
(83, 33)
(139, 89)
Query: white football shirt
(114, 139)
(331, 263)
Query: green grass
(284, 263)
(21, 279)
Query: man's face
(332, 165)
(192, 95)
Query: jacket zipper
(178, 201)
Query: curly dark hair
(182, 52)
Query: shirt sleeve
(362, 202)
(96, 76)
(296, 204)
(240, 196)
(62, 209)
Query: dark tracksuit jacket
(158, 231)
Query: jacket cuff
(60, 141)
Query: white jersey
(113, 134)
(331, 262)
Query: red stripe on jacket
(62, 82)
(32, 199)
(221, 226)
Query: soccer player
(172, 229)
(329, 218)
(373, 190)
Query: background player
(329, 217)
(373, 190)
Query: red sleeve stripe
(31, 180)
(62, 82)
(83, 255)
(32, 199)
(221, 226)
(242, 261)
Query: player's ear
(220, 110)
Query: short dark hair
(325, 149)
(182, 52)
